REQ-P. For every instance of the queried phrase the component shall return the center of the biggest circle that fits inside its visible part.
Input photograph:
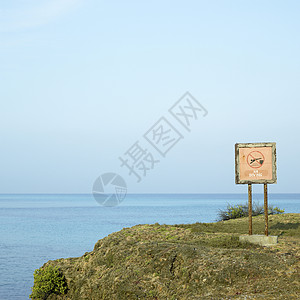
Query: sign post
(250, 207)
(266, 208)
(255, 163)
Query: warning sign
(255, 159)
(255, 163)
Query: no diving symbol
(255, 159)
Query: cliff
(197, 261)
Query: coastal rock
(196, 261)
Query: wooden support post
(250, 207)
(266, 208)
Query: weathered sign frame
(265, 182)
(237, 163)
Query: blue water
(38, 228)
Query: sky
(82, 81)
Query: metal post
(266, 208)
(250, 207)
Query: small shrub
(275, 210)
(240, 211)
(233, 212)
(257, 209)
(48, 280)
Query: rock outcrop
(184, 262)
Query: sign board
(255, 163)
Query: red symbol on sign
(255, 159)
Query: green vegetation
(48, 280)
(189, 262)
(240, 211)
(280, 224)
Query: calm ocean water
(38, 228)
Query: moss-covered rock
(197, 261)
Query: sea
(37, 228)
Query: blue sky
(82, 81)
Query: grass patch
(286, 224)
